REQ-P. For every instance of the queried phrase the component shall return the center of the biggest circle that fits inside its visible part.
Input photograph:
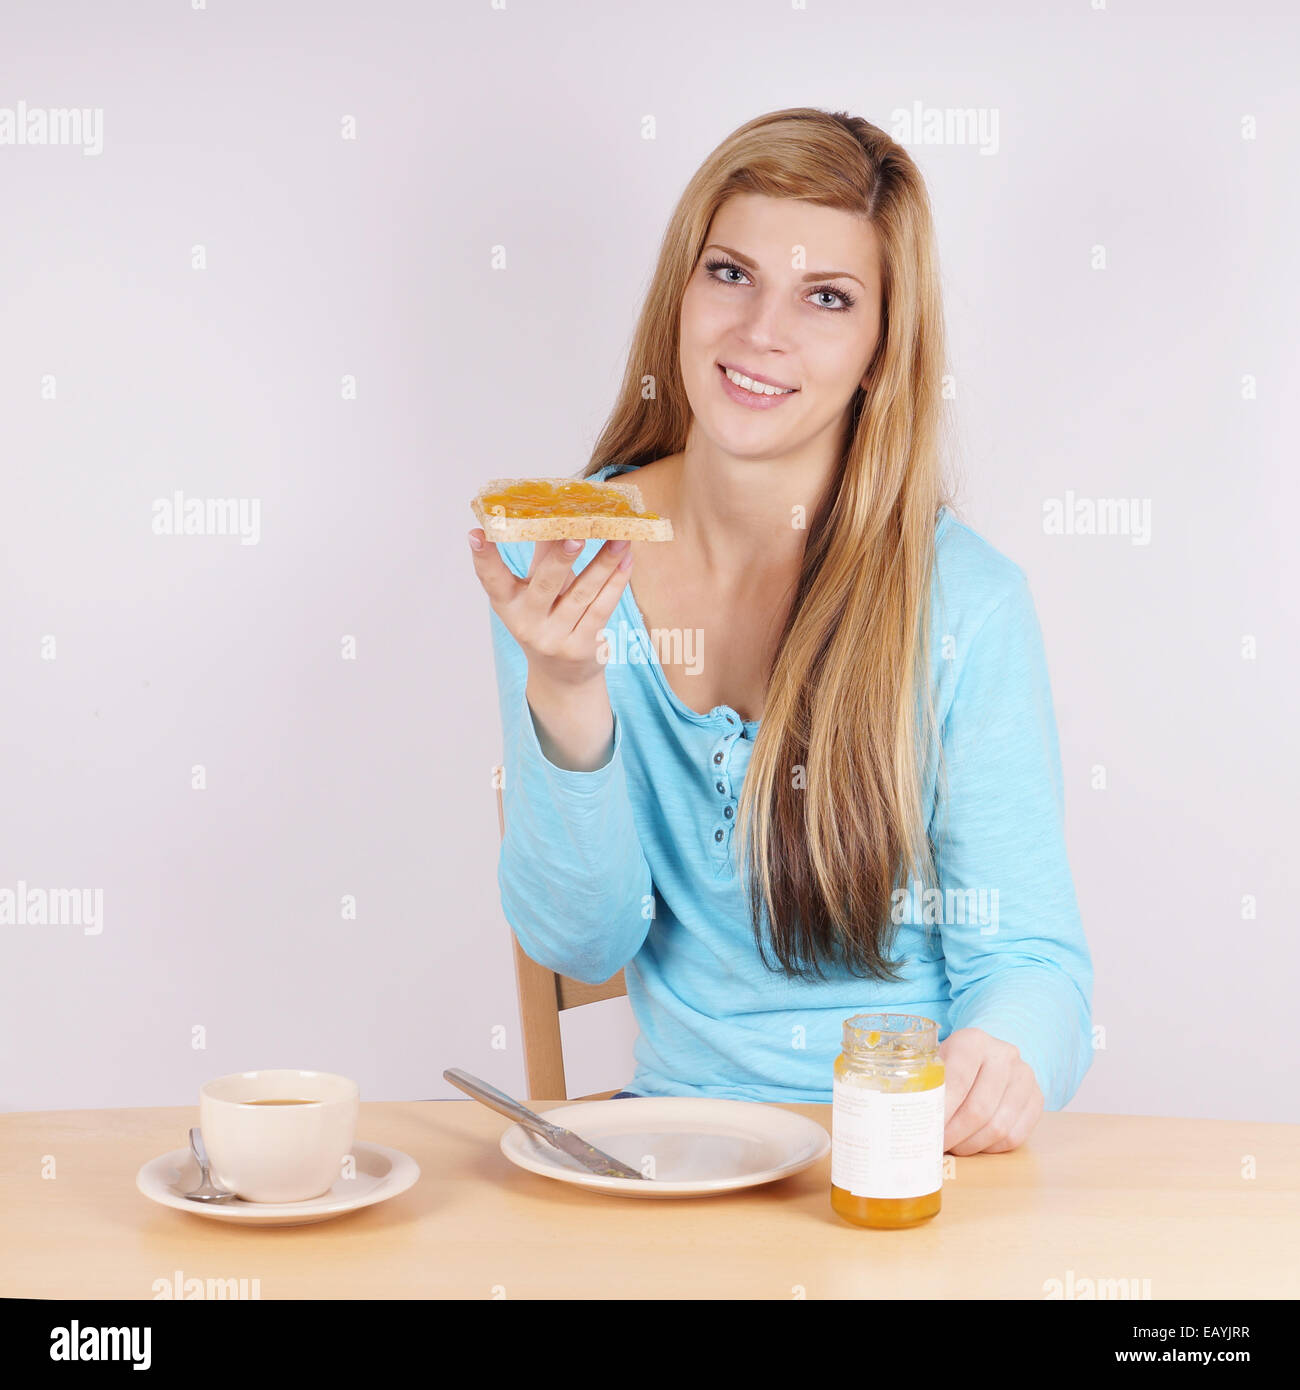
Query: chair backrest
(543, 995)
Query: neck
(744, 518)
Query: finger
(1010, 1131)
(981, 1103)
(552, 566)
(607, 556)
(548, 553)
(578, 594)
(960, 1068)
(494, 575)
(605, 601)
(1011, 1124)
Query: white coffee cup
(278, 1153)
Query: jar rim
(865, 1032)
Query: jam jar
(887, 1121)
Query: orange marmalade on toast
(533, 498)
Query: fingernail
(618, 547)
(571, 546)
(475, 542)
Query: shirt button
(728, 812)
(717, 834)
(717, 757)
(720, 787)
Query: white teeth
(757, 387)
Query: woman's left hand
(991, 1099)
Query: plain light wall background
(523, 128)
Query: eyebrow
(812, 274)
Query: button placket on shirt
(718, 768)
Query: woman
(812, 768)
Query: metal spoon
(206, 1191)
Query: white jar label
(885, 1145)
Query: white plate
(699, 1146)
(381, 1173)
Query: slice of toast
(549, 509)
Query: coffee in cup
(279, 1135)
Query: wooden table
(1090, 1197)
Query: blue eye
(846, 299)
(713, 266)
(835, 294)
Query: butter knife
(591, 1158)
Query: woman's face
(785, 292)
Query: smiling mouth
(759, 387)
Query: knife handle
(498, 1100)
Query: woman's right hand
(557, 616)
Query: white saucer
(381, 1173)
(700, 1146)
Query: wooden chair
(543, 994)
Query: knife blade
(593, 1159)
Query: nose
(765, 324)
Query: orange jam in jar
(887, 1121)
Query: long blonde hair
(830, 823)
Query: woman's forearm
(574, 723)
(575, 884)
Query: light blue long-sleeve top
(630, 866)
